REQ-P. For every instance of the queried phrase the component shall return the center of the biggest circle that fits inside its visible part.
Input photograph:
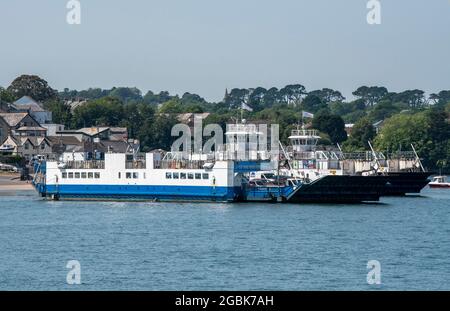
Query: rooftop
(13, 118)
(27, 103)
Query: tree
(332, 125)
(126, 94)
(5, 96)
(156, 99)
(313, 103)
(328, 95)
(237, 97)
(428, 131)
(192, 99)
(32, 86)
(362, 132)
(156, 134)
(257, 98)
(370, 95)
(172, 106)
(442, 98)
(292, 94)
(107, 111)
(271, 97)
(413, 98)
(61, 113)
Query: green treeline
(405, 117)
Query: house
(73, 149)
(349, 128)
(35, 109)
(378, 126)
(52, 128)
(190, 118)
(11, 122)
(73, 104)
(28, 147)
(92, 134)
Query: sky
(206, 46)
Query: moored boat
(439, 182)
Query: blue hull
(134, 192)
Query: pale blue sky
(205, 46)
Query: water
(166, 246)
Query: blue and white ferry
(152, 176)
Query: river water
(187, 246)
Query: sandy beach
(10, 182)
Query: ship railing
(242, 156)
(402, 155)
(303, 155)
(362, 156)
(242, 128)
(135, 165)
(179, 164)
(304, 133)
(85, 165)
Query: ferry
(156, 177)
(401, 172)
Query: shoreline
(10, 182)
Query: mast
(417, 157)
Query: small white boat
(439, 182)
